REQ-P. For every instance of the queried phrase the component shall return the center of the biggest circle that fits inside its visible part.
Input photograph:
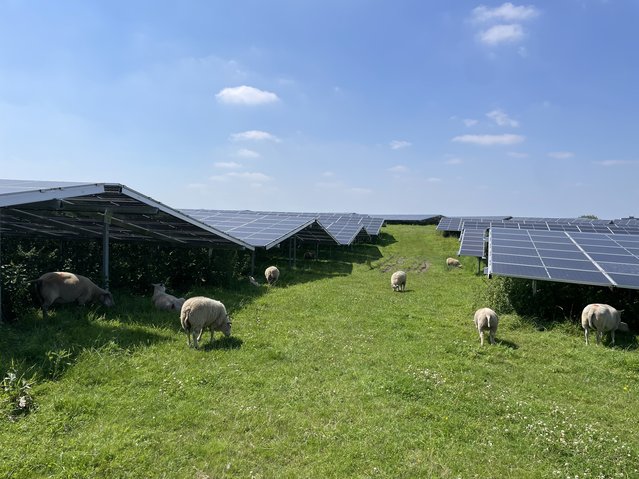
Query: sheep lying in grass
(200, 313)
(602, 318)
(164, 301)
(64, 287)
(398, 281)
(486, 320)
(271, 274)
(453, 263)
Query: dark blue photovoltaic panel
(625, 280)
(585, 258)
(472, 243)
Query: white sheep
(200, 313)
(398, 281)
(253, 281)
(164, 301)
(453, 263)
(602, 318)
(486, 320)
(64, 287)
(271, 274)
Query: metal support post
(105, 249)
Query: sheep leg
(211, 334)
(481, 337)
(196, 339)
(612, 335)
(586, 334)
(599, 334)
(492, 337)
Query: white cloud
(246, 153)
(229, 165)
(502, 119)
(328, 174)
(398, 144)
(502, 33)
(454, 161)
(398, 169)
(506, 12)
(220, 178)
(489, 140)
(254, 135)
(561, 155)
(470, 122)
(246, 95)
(260, 177)
(433, 179)
(615, 162)
(517, 154)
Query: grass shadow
(229, 343)
(508, 344)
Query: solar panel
(574, 257)
(472, 243)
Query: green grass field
(327, 374)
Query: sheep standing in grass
(200, 313)
(602, 318)
(453, 263)
(398, 281)
(64, 287)
(164, 301)
(271, 274)
(486, 320)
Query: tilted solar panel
(472, 243)
(575, 257)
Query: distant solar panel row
(583, 225)
(266, 229)
(575, 257)
(472, 243)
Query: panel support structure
(534, 287)
(105, 250)
(253, 263)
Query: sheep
(486, 320)
(64, 287)
(602, 318)
(200, 313)
(253, 281)
(454, 263)
(164, 301)
(271, 274)
(398, 281)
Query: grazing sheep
(164, 301)
(486, 320)
(271, 274)
(398, 281)
(200, 313)
(253, 281)
(602, 318)
(63, 287)
(453, 263)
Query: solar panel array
(268, 228)
(574, 257)
(582, 225)
(472, 243)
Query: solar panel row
(267, 229)
(472, 243)
(575, 257)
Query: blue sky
(368, 106)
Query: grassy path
(328, 374)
